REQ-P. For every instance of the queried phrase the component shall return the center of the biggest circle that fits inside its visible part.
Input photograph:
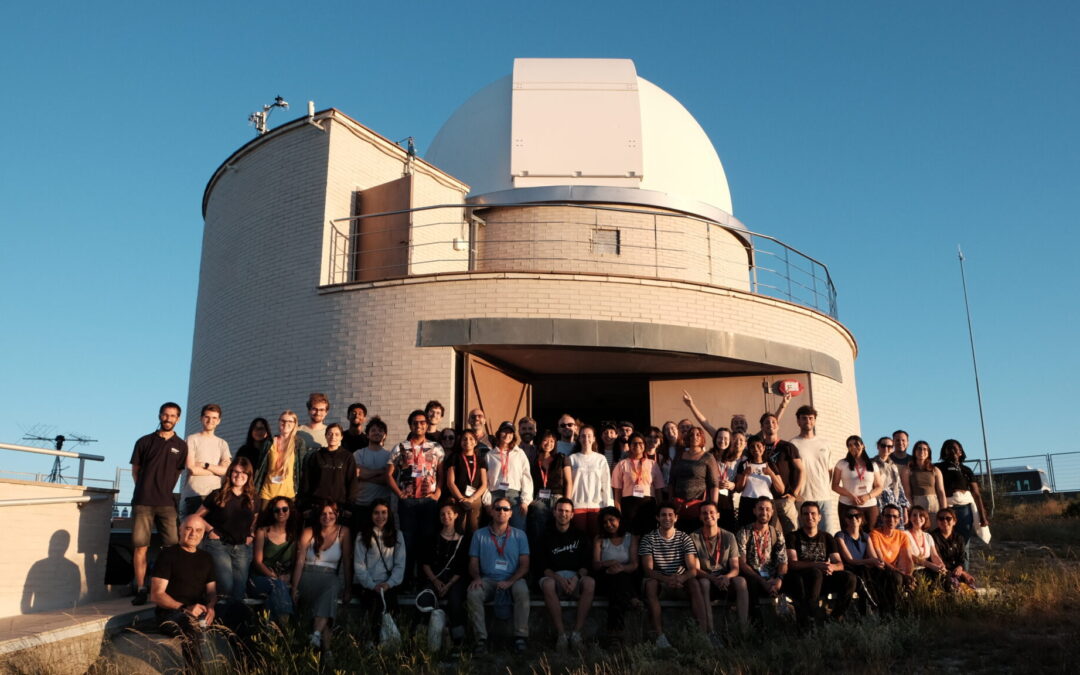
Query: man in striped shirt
(669, 560)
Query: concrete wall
(54, 554)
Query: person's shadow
(55, 582)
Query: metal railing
(1062, 468)
(82, 457)
(576, 239)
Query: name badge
(543, 493)
(639, 491)
(469, 491)
(724, 492)
(277, 480)
(417, 472)
(502, 565)
(764, 573)
(862, 490)
(503, 486)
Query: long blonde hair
(288, 445)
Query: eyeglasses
(886, 445)
(891, 516)
(853, 516)
(281, 509)
(946, 519)
(501, 508)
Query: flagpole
(988, 474)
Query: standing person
(951, 546)
(509, 474)
(757, 481)
(695, 479)
(615, 559)
(372, 471)
(610, 447)
(763, 558)
(156, 463)
(855, 480)
(379, 564)
(314, 432)
(739, 424)
(816, 568)
(923, 482)
(330, 473)
(789, 465)
(257, 443)
(435, 412)
(718, 566)
(467, 480)
(527, 434)
(355, 437)
(698, 415)
(444, 562)
(184, 591)
(591, 483)
(817, 468)
(892, 485)
(478, 424)
(498, 564)
(635, 485)
(279, 473)
(551, 477)
(274, 555)
(893, 547)
(565, 557)
(230, 512)
(413, 477)
(568, 433)
(961, 490)
(900, 445)
(654, 440)
(669, 560)
(317, 576)
(208, 460)
(721, 443)
(729, 462)
(672, 445)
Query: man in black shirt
(183, 588)
(355, 438)
(565, 557)
(814, 567)
(156, 464)
(789, 465)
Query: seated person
(893, 548)
(379, 563)
(858, 554)
(815, 567)
(718, 565)
(565, 557)
(615, 559)
(924, 556)
(951, 546)
(498, 564)
(762, 553)
(183, 588)
(444, 563)
(669, 560)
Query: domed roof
(581, 130)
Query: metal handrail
(797, 277)
(82, 457)
(51, 500)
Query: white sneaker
(560, 643)
(575, 640)
(316, 639)
(662, 642)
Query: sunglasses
(501, 508)
(281, 509)
(853, 516)
(947, 519)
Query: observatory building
(567, 244)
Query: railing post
(82, 466)
(1050, 470)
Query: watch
(206, 466)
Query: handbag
(389, 632)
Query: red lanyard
(762, 551)
(495, 541)
(504, 460)
(543, 471)
(470, 469)
(418, 458)
(640, 469)
(860, 472)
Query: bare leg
(551, 600)
(652, 597)
(697, 604)
(322, 625)
(588, 589)
(742, 599)
(138, 561)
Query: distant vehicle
(1021, 480)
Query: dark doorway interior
(591, 399)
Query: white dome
(581, 124)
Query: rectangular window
(606, 241)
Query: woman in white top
(757, 480)
(509, 475)
(615, 561)
(379, 563)
(855, 480)
(592, 483)
(317, 583)
(928, 563)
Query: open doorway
(593, 399)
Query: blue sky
(875, 137)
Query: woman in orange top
(635, 485)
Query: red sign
(793, 387)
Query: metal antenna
(988, 474)
(260, 119)
(56, 475)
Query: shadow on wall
(55, 582)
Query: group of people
(321, 514)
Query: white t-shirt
(205, 449)
(856, 483)
(817, 469)
(592, 481)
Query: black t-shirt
(438, 553)
(231, 522)
(354, 441)
(160, 463)
(812, 549)
(254, 453)
(568, 550)
(951, 550)
(554, 475)
(329, 475)
(955, 477)
(188, 573)
(463, 466)
(782, 455)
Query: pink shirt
(644, 473)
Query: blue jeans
(278, 595)
(231, 564)
(965, 525)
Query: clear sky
(873, 136)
